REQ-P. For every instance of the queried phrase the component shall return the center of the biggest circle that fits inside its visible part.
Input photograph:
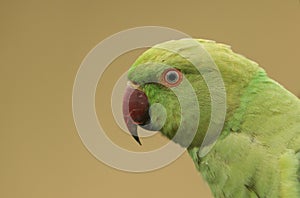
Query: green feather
(257, 154)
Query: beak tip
(137, 139)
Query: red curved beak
(135, 110)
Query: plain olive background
(43, 44)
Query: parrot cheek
(135, 110)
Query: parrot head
(151, 101)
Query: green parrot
(257, 151)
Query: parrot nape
(257, 153)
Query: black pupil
(172, 77)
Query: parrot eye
(172, 77)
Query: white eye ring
(172, 77)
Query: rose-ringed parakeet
(257, 153)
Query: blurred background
(44, 42)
